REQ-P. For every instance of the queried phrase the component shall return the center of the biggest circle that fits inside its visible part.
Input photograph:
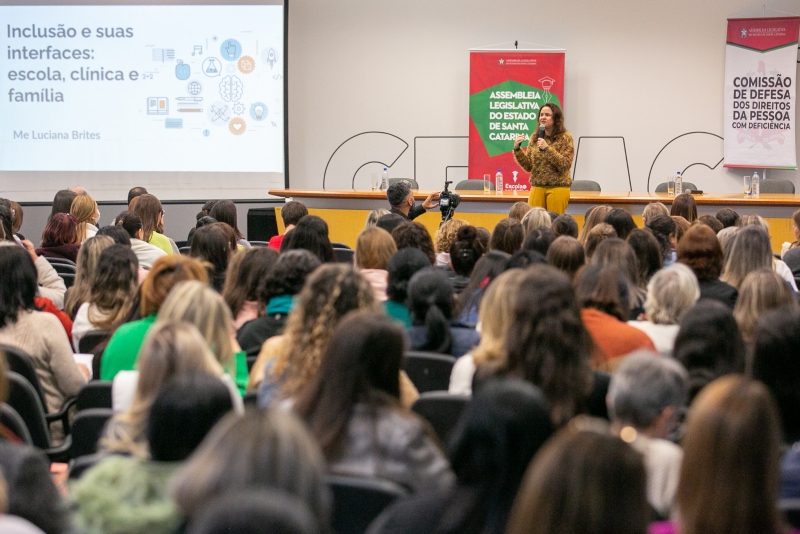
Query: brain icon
(230, 88)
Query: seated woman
(374, 247)
(402, 266)
(149, 209)
(37, 333)
(620, 255)
(59, 239)
(87, 262)
(311, 234)
(224, 211)
(83, 210)
(113, 288)
(486, 269)
(750, 251)
(444, 238)
(464, 254)
(352, 408)
(247, 270)
(122, 350)
(700, 249)
(129, 494)
(670, 294)
(760, 292)
(212, 245)
(432, 304)
(684, 206)
(276, 294)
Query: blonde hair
(374, 247)
(446, 234)
(518, 210)
(197, 303)
(595, 216)
(88, 255)
(496, 313)
(330, 292)
(536, 218)
(761, 291)
(374, 216)
(653, 210)
(82, 208)
(751, 219)
(170, 348)
(670, 294)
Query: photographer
(402, 200)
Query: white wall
(642, 69)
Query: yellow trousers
(550, 198)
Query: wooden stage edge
(346, 211)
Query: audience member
(565, 225)
(146, 253)
(374, 248)
(80, 191)
(111, 293)
(602, 294)
(684, 206)
(710, 221)
(681, 226)
(753, 219)
(507, 235)
(131, 495)
(212, 246)
(786, 246)
(495, 317)
(619, 254)
(414, 235)
(518, 210)
(599, 233)
(498, 434)
(670, 294)
(118, 234)
(750, 251)
(594, 216)
(201, 222)
(535, 218)
(311, 234)
(264, 449)
(122, 350)
(81, 288)
(149, 209)
(256, 511)
(391, 221)
(622, 222)
(62, 202)
(666, 233)
(726, 237)
(464, 254)
(728, 217)
(291, 213)
(60, 238)
(645, 400)
(648, 254)
(652, 210)
(224, 211)
(709, 344)
(374, 216)
(566, 254)
(135, 192)
(37, 333)
(701, 251)
(583, 480)
(401, 267)
(484, 236)
(246, 272)
(539, 239)
(276, 295)
(82, 209)
(444, 238)
(430, 298)
(486, 269)
(17, 218)
(352, 408)
(729, 477)
(761, 291)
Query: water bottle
(678, 184)
(755, 185)
(385, 180)
(498, 181)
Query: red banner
(507, 88)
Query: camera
(448, 202)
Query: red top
(612, 339)
(275, 242)
(46, 305)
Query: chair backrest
(180, 244)
(22, 397)
(414, 184)
(357, 501)
(336, 244)
(662, 187)
(91, 339)
(79, 465)
(95, 394)
(473, 185)
(63, 261)
(429, 371)
(442, 410)
(259, 243)
(10, 419)
(69, 279)
(776, 186)
(21, 363)
(64, 268)
(184, 250)
(344, 255)
(585, 185)
(87, 427)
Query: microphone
(541, 135)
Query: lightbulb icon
(259, 112)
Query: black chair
(180, 244)
(78, 466)
(64, 268)
(662, 187)
(776, 186)
(336, 244)
(69, 279)
(429, 371)
(20, 362)
(585, 185)
(63, 261)
(22, 398)
(87, 428)
(95, 394)
(250, 399)
(184, 250)
(10, 419)
(473, 185)
(357, 501)
(442, 410)
(91, 339)
(411, 181)
(259, 243)
(344, 255)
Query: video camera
(448, 202)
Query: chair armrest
(62, 415)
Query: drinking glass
(376, 177)
(747, 185)
(671, 187)
(486, 182)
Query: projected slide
(142, 88)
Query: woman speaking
(548, 159)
